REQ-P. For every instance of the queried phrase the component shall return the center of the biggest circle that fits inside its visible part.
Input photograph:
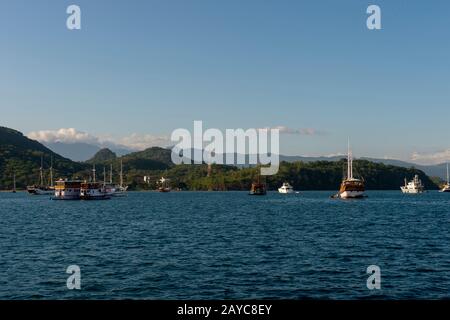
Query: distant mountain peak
(103, 155)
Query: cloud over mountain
(437, 157)
(134, 141)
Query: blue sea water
(226, 245)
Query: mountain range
(22, 156)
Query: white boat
(114, 190)
(93, 191)
(67, 190)
(286, 188)
(351, 187)
(414, 186)
(446, 187)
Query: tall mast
(93, 173)
(448, 178)
(51, 171)
(349, 162)
(121, 173)
(104, 176)
(41, 172)
(110, 174)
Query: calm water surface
(226, 245)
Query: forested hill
(23, 156)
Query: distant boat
(115, 190)
(67, 190)
(164, 185)
(414, 186)
(351, 187)
(41, 188)
(93, 191)
(446, 187)
(286, 188)
(258, 188)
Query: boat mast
(104, 176)
(110, 174)
(51, 171)
(121, 173)
(448, 178)
(41, 172)
(93, 173)
(349, 162)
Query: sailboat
(351, 187)
(41, 188)
(164, 185)
(258, 188)
(446, 187)
(115, 190)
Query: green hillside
(23, 156)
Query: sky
(137, 70)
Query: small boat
(67, 190)
(116, 190)
(164, 185)
(93, 191)
(41, 189)
(258, 188)
(414, 186)
(286, 188)
(446, 187)
(351, 187)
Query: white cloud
(143, 141)
(301, 131)
(134, 141)
(65, 135)
(432, 157)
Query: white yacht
(414, 186)
(446, 187)
(286, 188)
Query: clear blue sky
(152, 66)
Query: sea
(226, 245)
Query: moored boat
(446, 187)
(93, 191)
(41, 188)
(351, 187)
(67, 190)
(286, 188)
(414, 186)
(164, 185)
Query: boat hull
(411, 191)
(352, 194)
(285, 191)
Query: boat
(116, 190)
(446, 187)
(351, 187)
(67, 190)
(258, 188)
(286, 188)
(93, 191)
(414, 186)
(41, 189)
(164, 185)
